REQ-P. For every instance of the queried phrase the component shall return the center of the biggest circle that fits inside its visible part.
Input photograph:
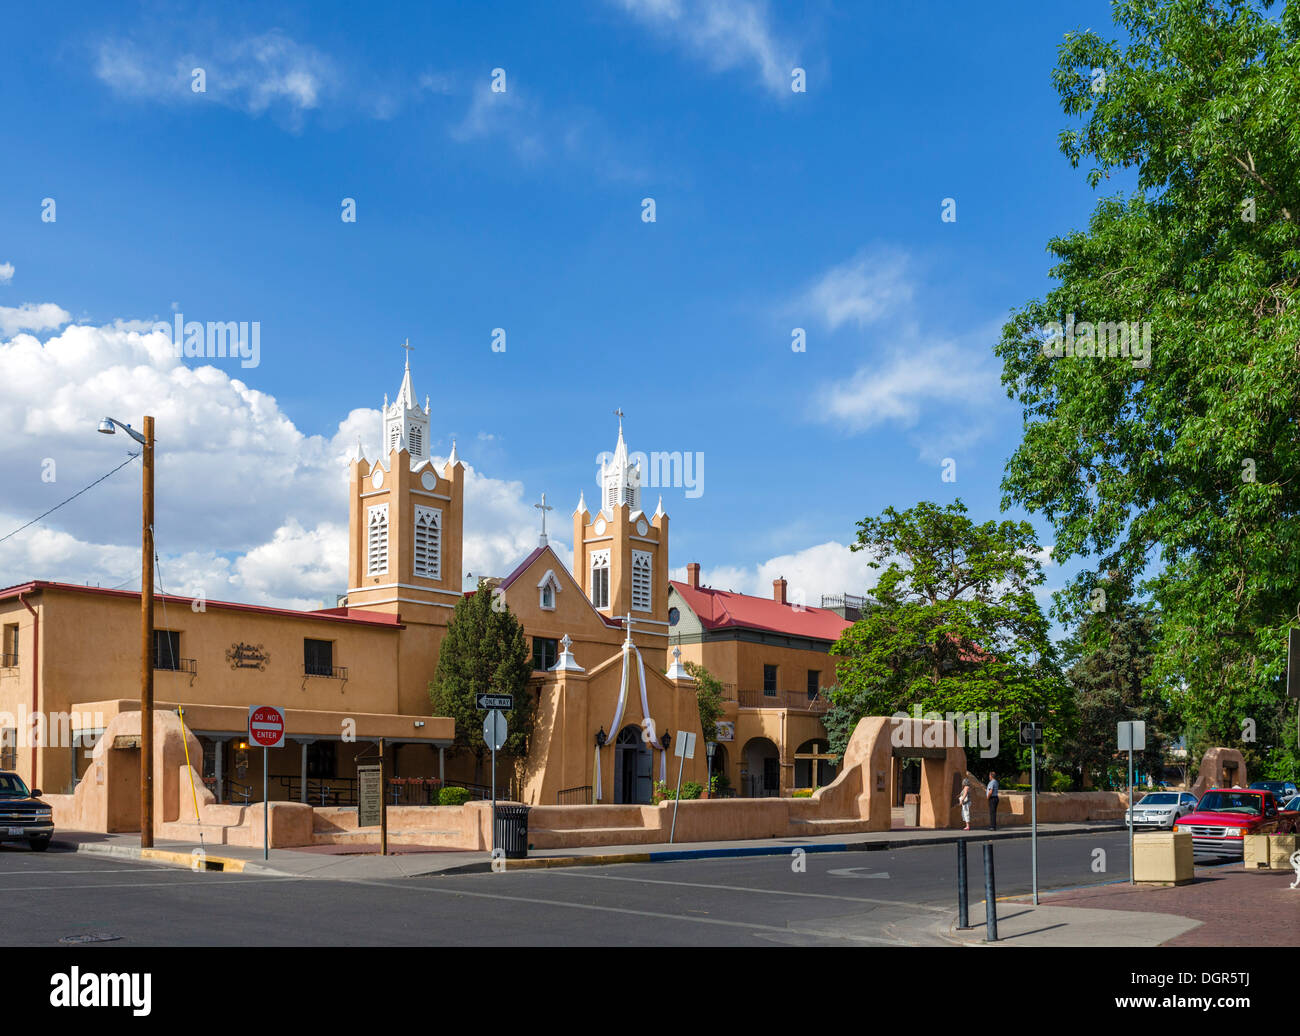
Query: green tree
(1180, 471)
(958, 626)
(484, 652)
(708, 698)
(1109, 661)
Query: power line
(74, 496)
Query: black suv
(23, 816)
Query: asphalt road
(864, 898)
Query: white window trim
(436, 572)
(643, 560)
(541, 590)
(376, 517)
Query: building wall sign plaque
(247, 656)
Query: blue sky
(520, 210)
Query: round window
(673, 616)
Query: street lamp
(107, 426)
(709, 748)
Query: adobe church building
(606, 639)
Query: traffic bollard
(990, 896)
(963, 912)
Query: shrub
(454, 796)
(1061, 782)
(803, 793)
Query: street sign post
(494, 735)
(684, 749)
(1131, 735)
(266, 728)
(370, 795)
(1031, 734)
(506, 702)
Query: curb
(195, 860)
(674, 855)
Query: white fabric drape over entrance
(649, 732)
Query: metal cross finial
(618, 412)
(408, 347)
(543, 508)
(628, 622)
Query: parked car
(1225, 815)
(1282, 790)
(1161, 809)
(23, 816)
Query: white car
(1162, 809)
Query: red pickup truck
(1225, 815)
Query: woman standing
(964, 800)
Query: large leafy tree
(708, 699)
(1183, 471)
(958, 627)
(484, 652)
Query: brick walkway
(1236, 908)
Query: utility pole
(146, 642)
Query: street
(898, 897)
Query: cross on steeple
(408, 347)
(618, 412)
(628, 622)
(543, 507)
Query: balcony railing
(333, 672)
(579, 796)
(188, 666)
(799, 700)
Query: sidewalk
(354, 862)
(1224, 906)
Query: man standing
(992, 791)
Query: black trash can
(512, 831)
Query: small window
(674, 616)
(318, 657)
(814, 683)
(9, 647)
(548, 597)
(546, 591)
(769, 680)
(9, 748)
(166, 649)
(545, 652)
(600, 578)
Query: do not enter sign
(265, 726)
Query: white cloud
(255, 74)
(728, 34)
(827, 568)
(250, 508)
(870, 286)
(44, 316)
(6, 272)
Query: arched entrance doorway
(813, 765)
(633, 764)
(762, 769)
(718, 769)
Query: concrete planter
(1254, 852)
(1163, 857)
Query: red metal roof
(357, 616)
(722, 609)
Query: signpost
(504, 702)
(370, 795)
(1132, 735)
(1293, 673)
(266, 728)
(494, 735)
(1031, 734)
(684, 749)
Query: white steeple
(620, 480)
(406, 426)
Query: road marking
(740, 888)
(646, 913)
(85, 870)
(852, 872)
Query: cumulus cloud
(827, 568)
(865, 289)
(6, 272)
(44, 316)
(728, 34)
(249, 507)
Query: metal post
(221, 786)
(383, 805)
(990, 896)
(1130, 808)
(963, 910)
(673, 832)
(494, 793)
(303, 795)
(1033, 813)
(266, 803)
(146, 642)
